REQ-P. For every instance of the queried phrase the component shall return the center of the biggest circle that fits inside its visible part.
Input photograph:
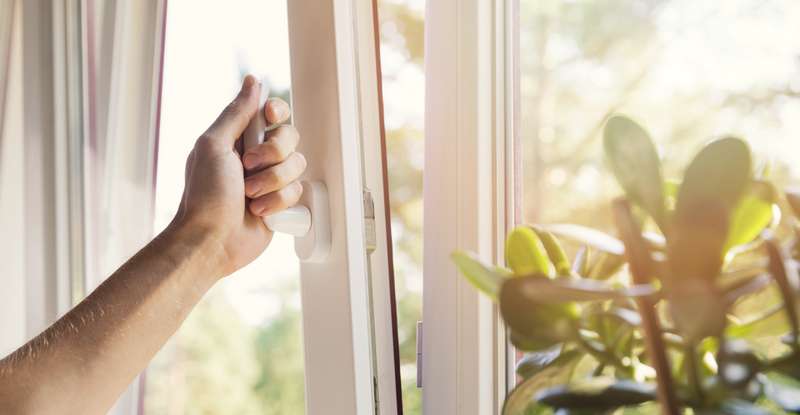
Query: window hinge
(375, 395)
(370, 236)
(419, 354)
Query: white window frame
(334, 90)
(466, 366)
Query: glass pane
(240, 351)
(401, 30)
(689, 71)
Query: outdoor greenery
(693, 305)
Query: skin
(83, 362)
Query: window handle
(309, 220)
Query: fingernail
(283, 111)
(248, 83)
(249, 161)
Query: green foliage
(525, 253)
(667, 327)
(633, 158)
(485, 278)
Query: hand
(219, 201)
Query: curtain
(12, 305)
(124, 59)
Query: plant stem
(777, 268)
(693, 371)
(642, 270)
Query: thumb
(234, 118)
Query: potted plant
(690, 308)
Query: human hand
(219, 201)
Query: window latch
(370, 236)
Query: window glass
(240, 351)
(688, 71)
(402, 38)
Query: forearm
(83, 362)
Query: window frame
(468, 199)
(334, 87)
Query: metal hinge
(370, 236)
(419, 354)
(375, 395)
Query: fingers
(276, 177)
(234, 118)
(277, 111)
(279, 145)
(276, 201)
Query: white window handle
(309, 220)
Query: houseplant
(690, 308)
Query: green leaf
(598, 393)
(534, 362)
(554, 251)
(782, 390)
(543, 290)
(622, 315)
(534, 325)
(787, 365)
(769, 323)
(713, 185)
(486, 279)
(741, 288)
(587, 236)
(605, 266)
(786, 282)
(740, 407)
(752, 215)
(525, 254)
(580, 266)
(634, 160)
(520, 401)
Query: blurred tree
(691, 71)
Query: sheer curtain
(79, 101)
(123, 57)
(12, 299)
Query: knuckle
(279, 152)
(277, 177)
(301, 161)
(234, 107)
(255, 207)
(287, 195)
(204, 144)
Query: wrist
(197, 242)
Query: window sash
(468, 202)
